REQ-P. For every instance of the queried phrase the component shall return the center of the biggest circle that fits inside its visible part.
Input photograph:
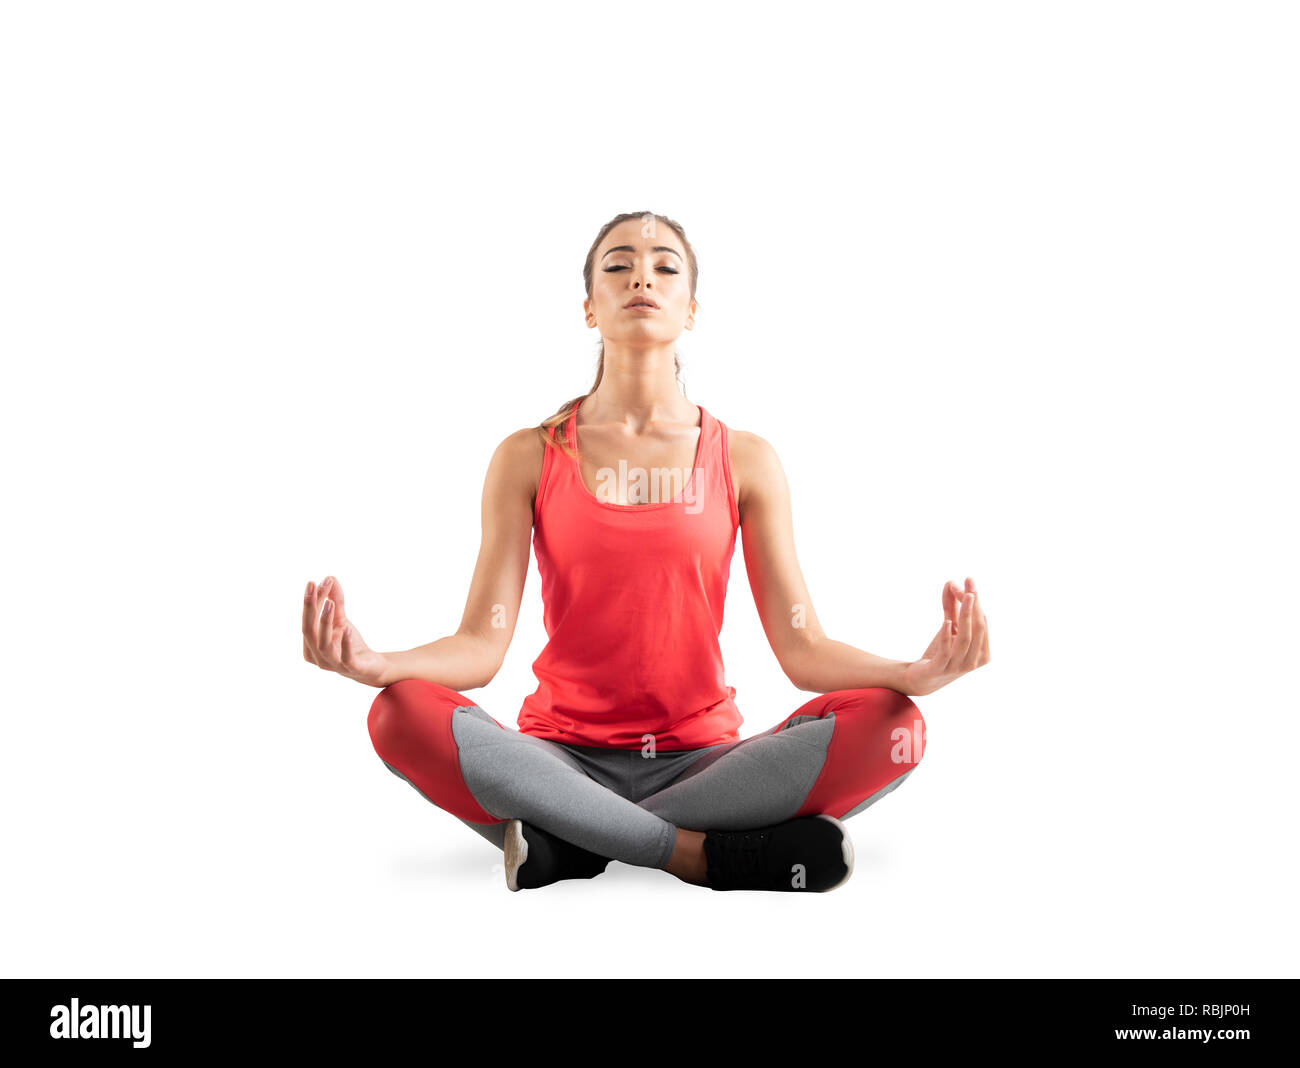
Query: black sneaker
(809, 853)
(536, 858)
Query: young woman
(629, 749)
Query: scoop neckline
(582, 485)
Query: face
(640, 261)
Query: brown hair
(552, 428)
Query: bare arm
(810, 659)
(469, 658)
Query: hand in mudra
(331, 642)
(961, 645)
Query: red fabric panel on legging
(410, 726)
(878, 735)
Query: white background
(1010, 287)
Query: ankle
(688, 861)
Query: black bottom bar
(1227, 1017)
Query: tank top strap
(561, 474)
(720, 455)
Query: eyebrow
(629, 248)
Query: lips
(641, 302)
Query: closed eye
(670, 270)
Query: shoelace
(743, 856)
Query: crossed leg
(838, 753)
(465, 762)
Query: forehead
(641, 237)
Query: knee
(907, 735)
(389, 706)
(890, 720)
(399, 710)
(410, 727)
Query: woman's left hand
(961, 645)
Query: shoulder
(522, 443)
(754, 464)
(520, 446)
(751, 452)
(517, 461)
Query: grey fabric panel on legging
(630, 773)
(751, 783)
(517, 776)
(634, 773)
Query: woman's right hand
(331, 642)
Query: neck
(637, 386)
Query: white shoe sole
(846, 846)
(516, 851)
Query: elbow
(489, 675)
(794, 672)
(483, 656)
(796, 663)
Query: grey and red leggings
(837, 754)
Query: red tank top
(632, 602)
